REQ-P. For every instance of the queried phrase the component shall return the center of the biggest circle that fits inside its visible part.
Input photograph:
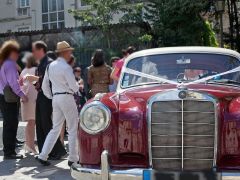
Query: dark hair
(76, 69)
(98, 58)
(52, 55)
(124, 52)
(7, 48)
(40, 45)
(31, 61)
(131, 49)
(72, 59)
(113, 59)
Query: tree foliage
(234, 29)
(178, 22)
(163, 22)
(209, 36)
(99, 13)
(174, 23)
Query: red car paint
(126, 138)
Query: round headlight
(95, 117)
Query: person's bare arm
(81, 84)
(110, 79)
(114, 74)
(90, 78)
(19, 68)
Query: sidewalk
(28, 168)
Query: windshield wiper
(223, 81)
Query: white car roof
(194, 49)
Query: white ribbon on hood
(163, 80)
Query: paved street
(28, 168)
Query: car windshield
(181, 68)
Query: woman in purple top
(9, 76)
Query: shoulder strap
(50, 83)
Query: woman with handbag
(99, 74)
(10, 93)
(28, 109)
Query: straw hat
(63, 46)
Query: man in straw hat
(43, 104)
(59, 84)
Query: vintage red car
(174, 109)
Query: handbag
(9, 95)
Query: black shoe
(70, 163)
(42, 162)
(57, 156)
(19, 142)
(13, 156)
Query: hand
(24, 99)
(20, 81)
(31, 78)
(81, 87)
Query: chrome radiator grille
(182, 135)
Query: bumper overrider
(105, 173)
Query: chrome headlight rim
(102, 107)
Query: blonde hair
(7, 48)
(30, 61)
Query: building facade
(30, 15)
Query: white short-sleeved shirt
(60, 73)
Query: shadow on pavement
(30, 168)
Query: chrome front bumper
(105, 173)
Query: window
(83, 3)
(23, 3)
(23, 11)
(53, 14)
(45, 26)
(52, 5)
(9, 2)
(45, 18)
(44, 6)
(23, 8)
(53, 17)
(60, 5)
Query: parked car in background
(175, 109)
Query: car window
(186, 67)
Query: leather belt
(62, 93)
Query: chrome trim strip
(168, 158)
(183, 159)
(105, 165)
(198, 159)
(172, 95)
(105, 173)
(197, 147)
(149, 116)
(181, 111)
(182, 136)
(188, 123)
